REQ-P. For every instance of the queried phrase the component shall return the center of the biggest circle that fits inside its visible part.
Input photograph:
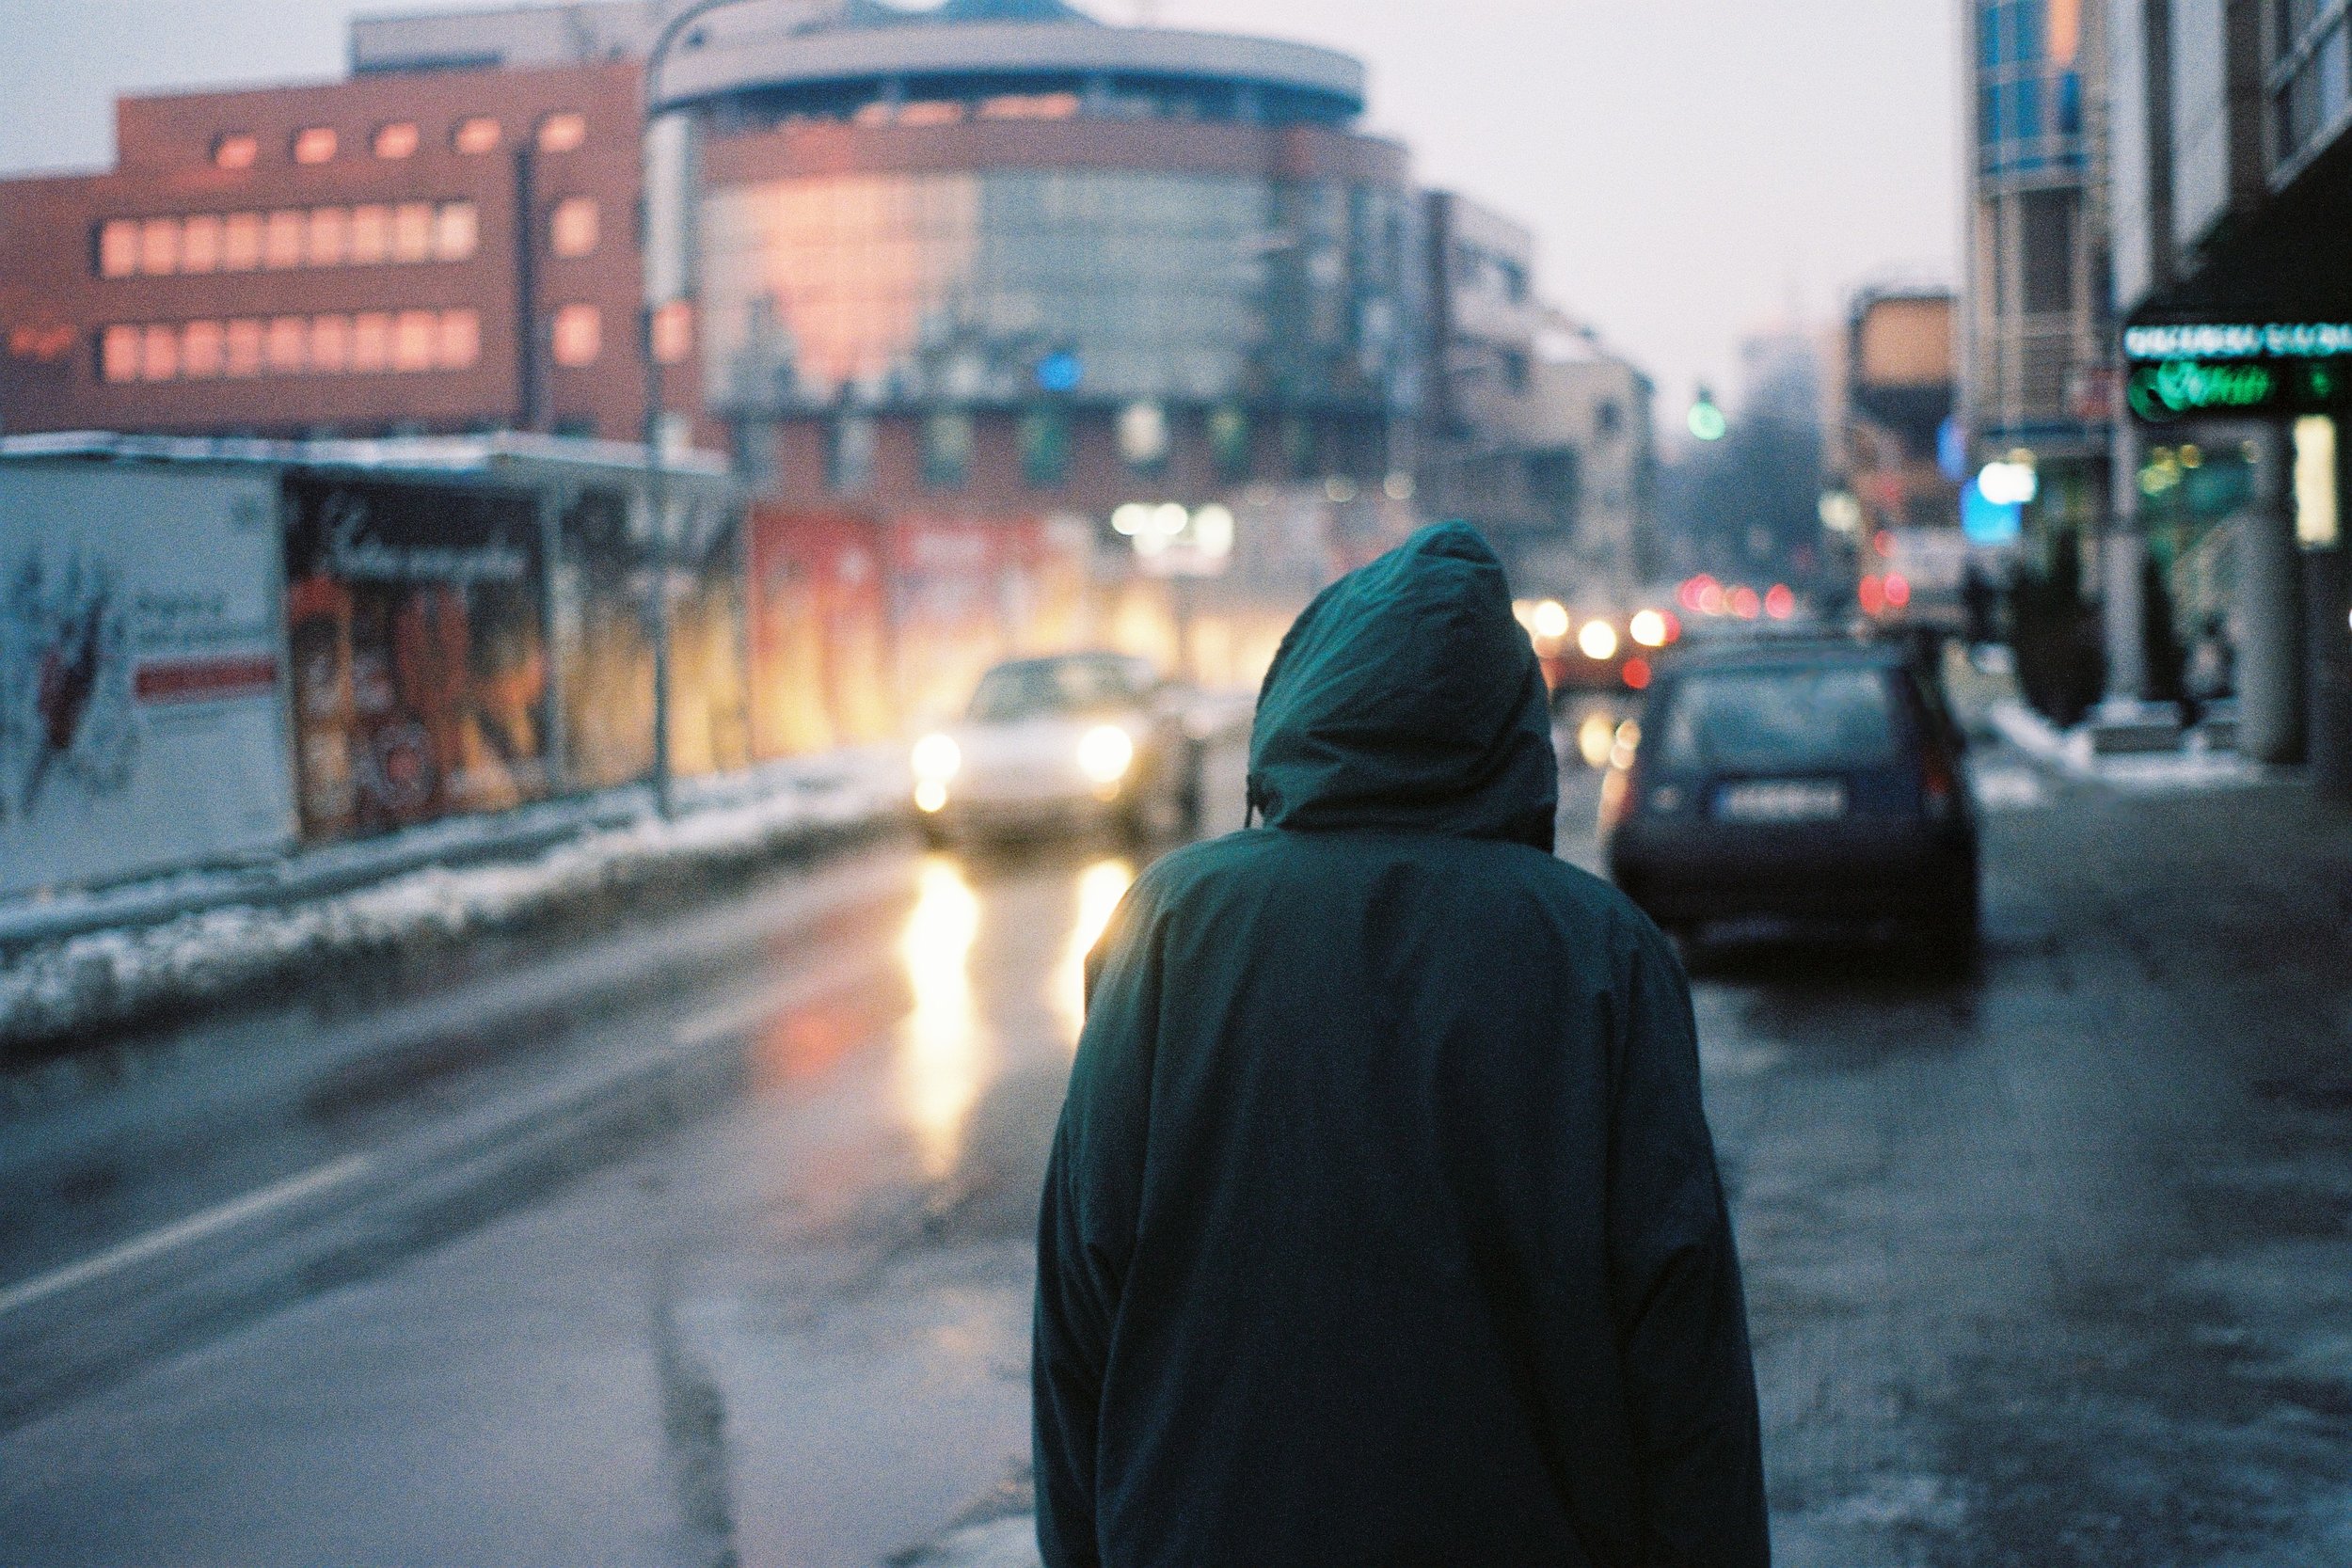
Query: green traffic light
(1706, 420)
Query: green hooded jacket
(1383, 1224)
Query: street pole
(657, 510)
(661, 290)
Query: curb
(115, 977)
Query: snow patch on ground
(2195, 766)
(107, 977)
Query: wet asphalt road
(2051, 1265)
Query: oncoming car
(1058, 744)
(1806, 781)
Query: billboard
(604, 650)
(415, 619)
(819, 632)
(141, 721)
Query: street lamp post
(649, 333)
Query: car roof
(1787, 652)
(1091, 656)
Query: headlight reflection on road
(1100, 886)
(942, 1056)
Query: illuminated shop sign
(2172, 388)
(2239, 340)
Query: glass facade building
(1011, 287)
(2029, 86)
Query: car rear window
(1791, 721)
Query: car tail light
(1938, 786)
(1616, 800)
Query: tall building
(2037, 320)
(2232, 191)
(1530, 428)
(440, 252)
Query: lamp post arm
(657, 499)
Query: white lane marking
(732, 1018)
(196, 1228)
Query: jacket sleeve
(1674, 1282)
(1086, 1232)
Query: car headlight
(936, 759)
(1105, 753)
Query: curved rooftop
(780, 59)
(970, 49)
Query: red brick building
(424, 252)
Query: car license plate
(1782, 800)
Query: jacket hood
(1407, 699)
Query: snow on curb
(110, 976)
(2193, 767)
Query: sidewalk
(108, 958)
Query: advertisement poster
(415, 619)
(966, 593)
(141, 721)
(604, 655)
(821, 636)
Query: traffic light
(1706, 420)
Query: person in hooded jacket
(1383, 1224)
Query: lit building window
(330, 343)
(1040, 105)
(119, 353)
(1229, 441)
(476, 135)
(371, 340)
(289, 351)
(577, 335)
(673, 333)
(159, 353)
(416, 339)
(236, 151)
(572, 228)
(314, 145)
(396, 140)
(931, 112)
(118, 247)
(562, 132)
(243, 340)
(281, 238)
(241, 242)
(456, 231)
(461, 340)
(371, 235)
(412, 232)
(850, 449)
(329, 240)
(200, 244)
(1143, 437)
(1045, 448)
(202, 350)
(159, 246)
(948, 439)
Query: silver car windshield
(1781, 721)
(1045, 687)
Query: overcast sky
(1694, 168)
